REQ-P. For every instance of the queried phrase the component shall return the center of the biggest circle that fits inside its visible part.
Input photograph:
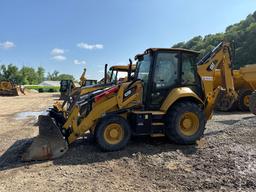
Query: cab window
(166, 70)
(143, 70)
(188, 69)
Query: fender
(177, 93)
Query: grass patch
(43, 89)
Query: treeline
(243, 34)
(29, 75)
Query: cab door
(165, 76)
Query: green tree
(29, 75)
(55, 76)
(65, 77)
(24, 76)
(11, 73)
(40, 74)
(242, 33)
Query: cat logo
(212, 66)
(128, 93)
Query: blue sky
(66, 35)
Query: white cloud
(57, 51)
(78, 62)
(7, 45)
(89, 46)
(58, 54)
(59, 58)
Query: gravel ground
(224, 160)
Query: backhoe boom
(218, 58)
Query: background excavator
(170, 95)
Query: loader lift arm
(101, 107)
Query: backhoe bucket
(49, 144)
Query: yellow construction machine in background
(69, 87)
(116, 74)
(245, 84)
(8, 88)
(169, 95)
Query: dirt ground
(224, 160)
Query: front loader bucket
(49, 144)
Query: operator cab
(162, 70)
(118, 74)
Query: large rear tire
(244, 99)
(185, 123)
(113, 133)
(252, 103)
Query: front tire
(185, 123)
(113, 133)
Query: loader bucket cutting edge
(49, 144)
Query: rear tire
(113, 133)
(252, 103)
(185, 123)
(243, 99)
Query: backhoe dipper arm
(218, 58)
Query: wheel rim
(246, 100)
(189, 123)
(113, 133)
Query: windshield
(143, 72)
(143, 68)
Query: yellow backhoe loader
(170, 95)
